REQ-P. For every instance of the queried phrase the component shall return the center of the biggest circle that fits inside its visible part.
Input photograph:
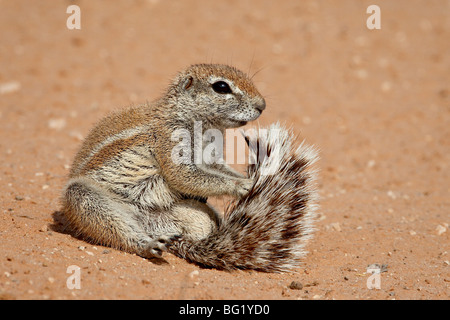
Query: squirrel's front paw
(243, 187)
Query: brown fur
(126, 191)
(109, 126)
(110, 151)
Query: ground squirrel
(125, 190)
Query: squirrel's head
(220, 95)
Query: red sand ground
(376, 103)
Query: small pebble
(57, 124)
(336, 226)
(10, 87)
(312, 284)
(377, 266)
(295, 285)
(391, 195)
(440, 229)
(371, 163)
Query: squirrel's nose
(260, 105)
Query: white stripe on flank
(125, 134)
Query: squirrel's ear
(187, 82)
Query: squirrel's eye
(221, 87)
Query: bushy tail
(267, 229)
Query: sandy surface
(375, 102)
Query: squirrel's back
(119, 125)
